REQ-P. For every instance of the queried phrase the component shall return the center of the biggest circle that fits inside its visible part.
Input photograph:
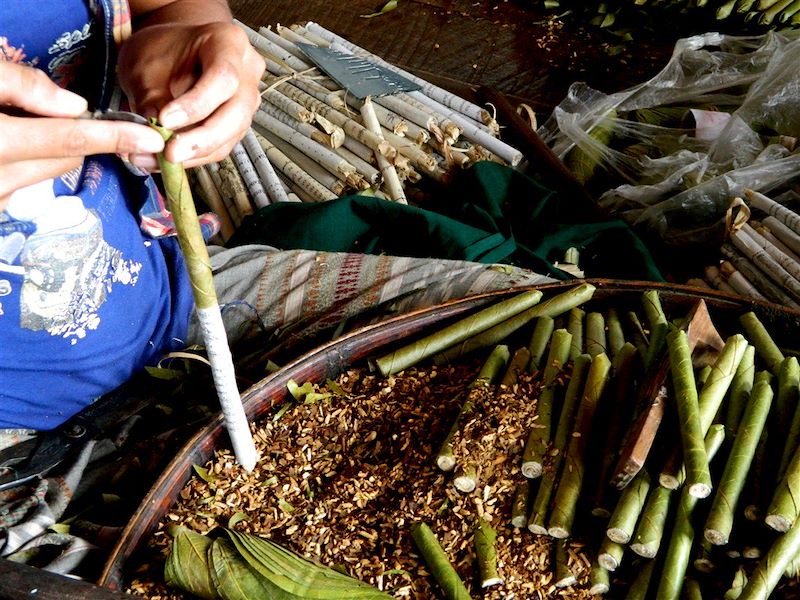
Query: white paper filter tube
(219, 355)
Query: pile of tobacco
(342, 478)
(591, 450)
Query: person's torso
(85, 298)
(65, 39)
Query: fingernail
(174, 118)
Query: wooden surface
(515, 47)
(701, 334)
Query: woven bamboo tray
(353, 349)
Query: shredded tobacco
(341, 480)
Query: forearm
(186, 12)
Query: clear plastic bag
(673, 179)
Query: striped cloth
(295, 295)
(120, 20)
(116, 14)
(26, 514)
(156, 220)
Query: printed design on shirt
(67, 268)
(68, 40)
(72, 178)
(9, 53)
(67, 54)
(5, 290)
(11, 244)
(92, 176)
(68, 276)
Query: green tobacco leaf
(389, 6)
(187, 564)
(163, 373)
(402, 572)
(235, 580)
(335, 388)
(281, 411)
(204, 473)
(313, 397)
(237, 518)
(296, 575)
(584, 160)
(506, 269)
(297, 391)
(243, 566)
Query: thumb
(31, 90)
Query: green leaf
(281, 411)
(402, 572)
(313, 397)
(164, 373)
(309, 491)
(505, 269)
(235, 580)
(238, 517)
(243, 566)
(584, 160)
(299, 392)
(187, 564)
(389, 6)
(334, 387)
(285, 506)
(294, 574)
(59, 528)
(204, 473)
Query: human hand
(50, 140)
(200, 80)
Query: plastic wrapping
(655, 155)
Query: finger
(228, 68)
(220, 132)
(148, 162)
(215, 156)
(37, 138)
(31, 90)
(17, 175)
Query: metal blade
(357, 75)
(115, 115)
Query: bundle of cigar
(761, 257)
(310, 140)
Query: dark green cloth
(488, 214)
